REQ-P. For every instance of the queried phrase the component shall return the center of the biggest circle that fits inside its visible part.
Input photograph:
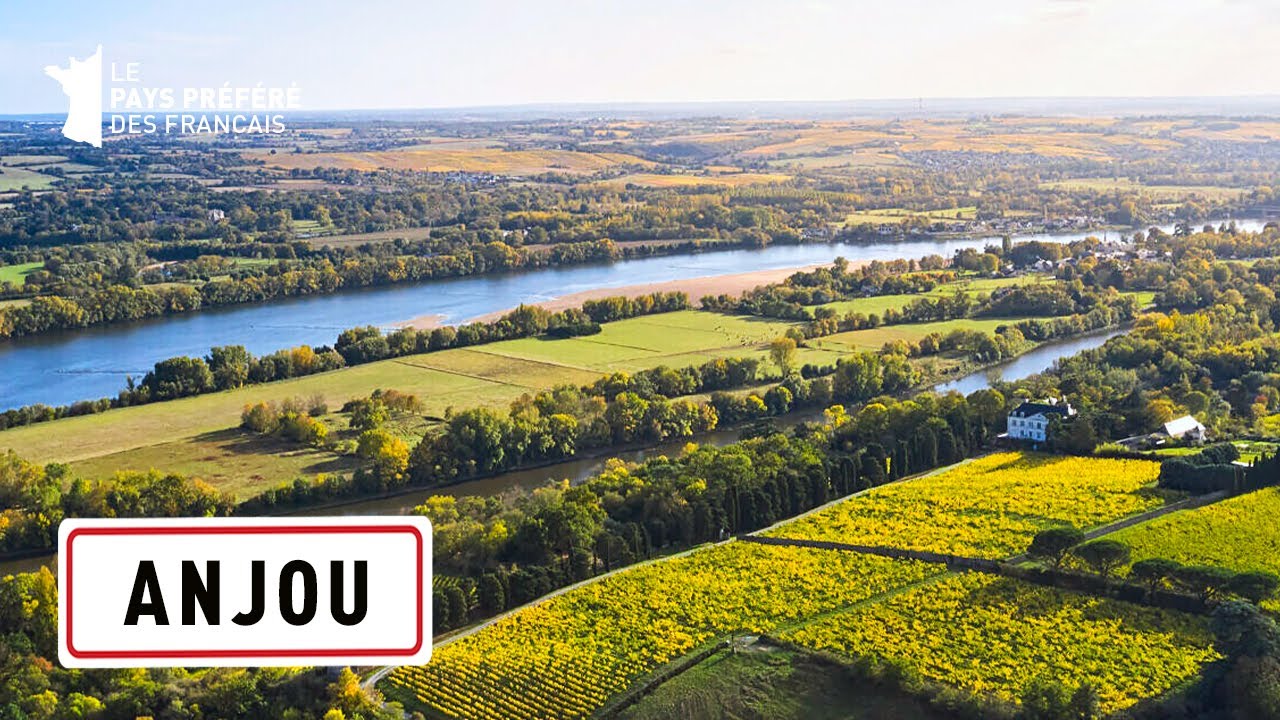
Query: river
(1034, 361)
(61, 368)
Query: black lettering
(146, 582)
(291, 568)
(259, 580)
(361, 593)
(205, 592)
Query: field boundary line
(475, 350)
(620, 345)
(964, 561)
(1190, 503)
(459, 373)
(509, 356)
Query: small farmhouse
(1185, 428)
(1030, 420)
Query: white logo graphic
(81, 80)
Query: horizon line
(624, 104)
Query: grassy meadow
(198, 435)
(16, 178)
(16, 274)
(768, 682)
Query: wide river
(1037, 360)
(60, 368)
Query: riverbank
(403, 500)
(696, 288)
(62, 368)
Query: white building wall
(1030, 428)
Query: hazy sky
(428, 53)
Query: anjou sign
(219, 591)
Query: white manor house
(1030, 420)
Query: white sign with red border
(244, 592)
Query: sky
(374, 54)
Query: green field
(970, 286)
(14, 178)
(894, 216)
(235, 461)
(1159, 192)
(875, 338)
(17, 273)
(355, 239)
(766, 682)
(15, 160)
(186, 434)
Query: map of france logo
(81, 81)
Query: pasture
(970, 286)
(16, 274)
(1166, 193)
(184, 435)
(197, 435)
(894, 216)
(875, 338)
(16, 178)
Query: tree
(368, 414)
(388, 453)
(1054, 544)
(1153, 572)
(492, 596)
(1045, 699)
(229, 365)
(1249, 684)
(1161, 410)
(783, 353)
(1253, 586)
(625, 416)
(1085, 703)
(1103, 556)
(989, 405)
(1204, 581)
(1073, 435)
(858, 377)
(178, 377)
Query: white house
(1030, 420)
(1185, 428)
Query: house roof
(1027, 409)
(1181, 426)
